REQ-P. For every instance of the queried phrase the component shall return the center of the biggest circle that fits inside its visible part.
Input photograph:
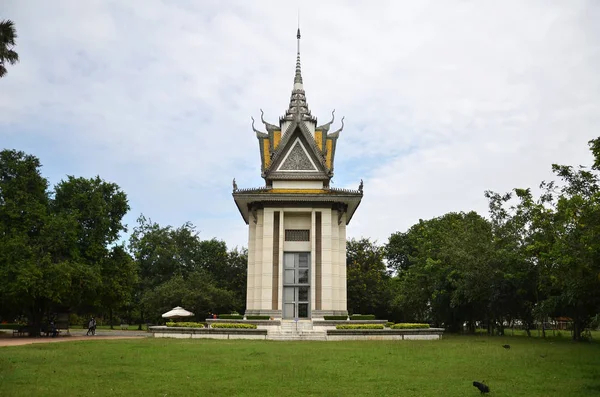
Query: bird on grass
(483, 388)
(506, 346)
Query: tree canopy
(8, 36)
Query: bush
(359, 326)
(233, 325)
(409, 326)
(335, 317)
(362, 317)
(258, 317)
(11, 326)
(184, 324)
(230, 316)
(389, 324)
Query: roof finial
(298, 76)
(298, 34)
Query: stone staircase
(300, 330)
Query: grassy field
(164, 367)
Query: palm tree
(8, 35)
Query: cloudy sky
(443, 99)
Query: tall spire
(298, 109)
(298, 76)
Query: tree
(367, 277)
(8, 34)
(119, 277)
(559, 240)
(169, 258)
(443, 270)
(53, 247)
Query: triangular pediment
(297, 155)
(297, 159)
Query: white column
(313, 257)
(326, 261)
(258, 260)
(251, 265)
(335, 260)
(342, 264)
(266, 292)
(281, 242)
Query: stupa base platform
(302, 330)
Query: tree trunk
(543, 327)
(110, 318)
(577, 328)
(141, 320)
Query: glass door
(296, 285)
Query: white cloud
(443, 100)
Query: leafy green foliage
(409, 326)
(444, 273)
(257, 317)
(177, 268)
(8, 35)
(368, 279)
(185, 324)
(358, 317)
(359, 326)
(230, 316)
(54, 245)
(233, 325)
(335, 317)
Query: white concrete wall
(266, 275)
(297, 219)
(251, 265)
(333, 256)
(297, 184)
(255, 292)
(327, 264)
(335, 262)
(342, 301)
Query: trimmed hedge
(233, 325)
(389, 324)
(362, 317)
(335, 317)
(258, 317)
(359, 326)
(11, 326)
(230, 316)
(409, 326)
(185, 324)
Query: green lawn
(166, 367)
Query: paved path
(6, 339)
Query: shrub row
(11, 326)
(233, 325)
(362, 317)
(359, 326)
(335, 317)
(230, 316)
(258, 317)
(389, 324)
(409, 326)
(185, 324)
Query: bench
(124, 326)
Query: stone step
(297, 337)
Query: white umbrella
(177, 312)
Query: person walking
(91, 327)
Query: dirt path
(26, 341)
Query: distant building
(297, 222)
